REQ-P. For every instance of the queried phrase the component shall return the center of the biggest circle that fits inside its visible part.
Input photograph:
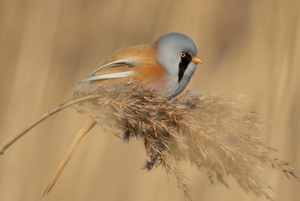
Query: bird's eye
(182, 54)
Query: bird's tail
(87, 126)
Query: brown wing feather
(147, 71)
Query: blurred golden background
(46, 47)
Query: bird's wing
(130, 62)
(115, 69)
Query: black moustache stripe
(185, 61)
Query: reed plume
(214, 131)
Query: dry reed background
(47, 46)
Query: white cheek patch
(109, 76)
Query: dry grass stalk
(213, 131)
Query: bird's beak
(196, 60)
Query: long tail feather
(87, 126)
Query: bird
(164, 66)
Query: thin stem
(45, 116)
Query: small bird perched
(132, 92)
(165, 66)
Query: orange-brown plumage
(148, 71)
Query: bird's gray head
(176, 53)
